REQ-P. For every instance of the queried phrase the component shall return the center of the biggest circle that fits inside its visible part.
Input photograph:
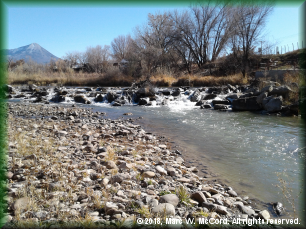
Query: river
(252, 153)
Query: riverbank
(116, 79)
(92, 170)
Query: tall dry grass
(113, 77)
(69, 79)
(198, 81)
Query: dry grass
(183, 195)
(198, 81)
(114, 77)
(162, 80)
(111, 154)
(69, 79)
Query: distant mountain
(32, 52)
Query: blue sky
(65, 29)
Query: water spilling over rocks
(269, 100)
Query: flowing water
(250, 152)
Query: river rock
(142, 101)
(264, 215)
(148, 174)
(221, 210)
(261, 97)
(120, 177)
(99, 98)
(169, 198)
(246, 104)
(171, 171)
(153, 203)
(165, 207)
(274, 104)
(198, 196)
(176, 92)
(232, 193)
(111, 165)
(196, 96)
(161, 170)
(282, 90)
(111, 96)
(278, 207)
(146, 91)
(246, 210)
(81, 99)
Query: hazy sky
(64, 29)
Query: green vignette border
(3, 74)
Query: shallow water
(250, 152)
(247, 151)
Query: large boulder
(145, 91)
(246, 104)
(214, 90)
(282, 90)
(196, 96)
(166, 92)
(142, 101)
(266, 100)
(273, 90)
(58, 98)
(176, 92)
(274, 104)
(99, 98)
(81, 99)
(261, 97)
(111, 96)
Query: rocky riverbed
(68, 165)
(272, 98)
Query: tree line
(184, 40)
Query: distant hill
(32, 52)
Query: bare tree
(202, 31)
(154, 41)
(250, 20)
(120, 47)
(97, 56)
(71, 58)
(9, 60)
